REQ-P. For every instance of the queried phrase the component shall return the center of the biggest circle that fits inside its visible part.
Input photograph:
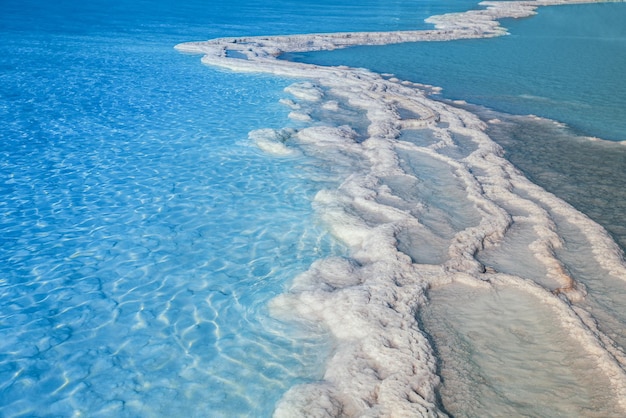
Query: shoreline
(383, 363)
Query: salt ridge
(383, 364)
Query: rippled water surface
(142, 236)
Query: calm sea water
(141, 234)
(564, 64)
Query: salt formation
(424, 198)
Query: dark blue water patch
(202, 19)
(566, 64)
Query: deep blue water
(204, 19)
(142, 235)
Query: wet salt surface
(503, 353)
(411, 200)
(583, 170)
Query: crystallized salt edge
(383, 365)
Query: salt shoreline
(383, 364)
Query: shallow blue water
(141, 233)
(140, 236)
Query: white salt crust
(383, 364)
